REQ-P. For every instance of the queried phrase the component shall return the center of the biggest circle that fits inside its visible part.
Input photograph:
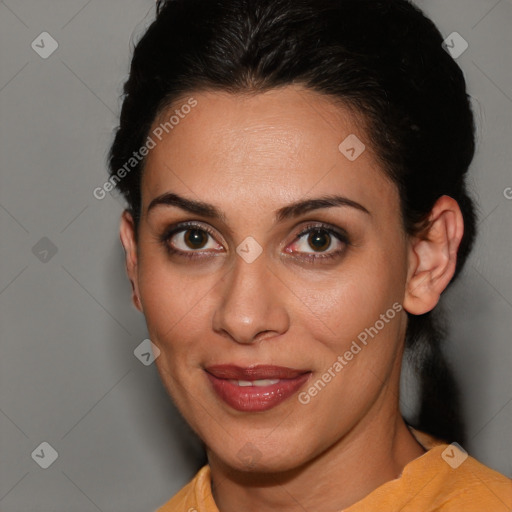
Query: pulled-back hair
(381, 58)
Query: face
(243, 266)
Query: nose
(251, 305)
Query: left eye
(318, 240)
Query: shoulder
(194, 496)
(447, 479)
(472, 486)
(444, 479)
(461, 480)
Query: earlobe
(433, 257)
(128, 239)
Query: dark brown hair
(382, 58)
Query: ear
(433, 257)
(128, 239)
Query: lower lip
(256, 398)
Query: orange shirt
(443, 479)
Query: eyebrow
(287, 212)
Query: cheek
(344, 304)
(175, 314)
(174, 303)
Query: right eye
(190, 238)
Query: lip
(254, 372)
(255, 398)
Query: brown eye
(189, 239)
(195, 238)
(319, 240)
(317, 243)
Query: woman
(294, 172)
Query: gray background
(68, 373)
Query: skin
(250, 155)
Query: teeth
(243, 382)
(261, 382)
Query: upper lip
(256, 372)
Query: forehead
(272, 148)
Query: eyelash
(312, 258)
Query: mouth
(255, 388)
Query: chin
(263, 457)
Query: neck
(372, 453)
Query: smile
(238, 387)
